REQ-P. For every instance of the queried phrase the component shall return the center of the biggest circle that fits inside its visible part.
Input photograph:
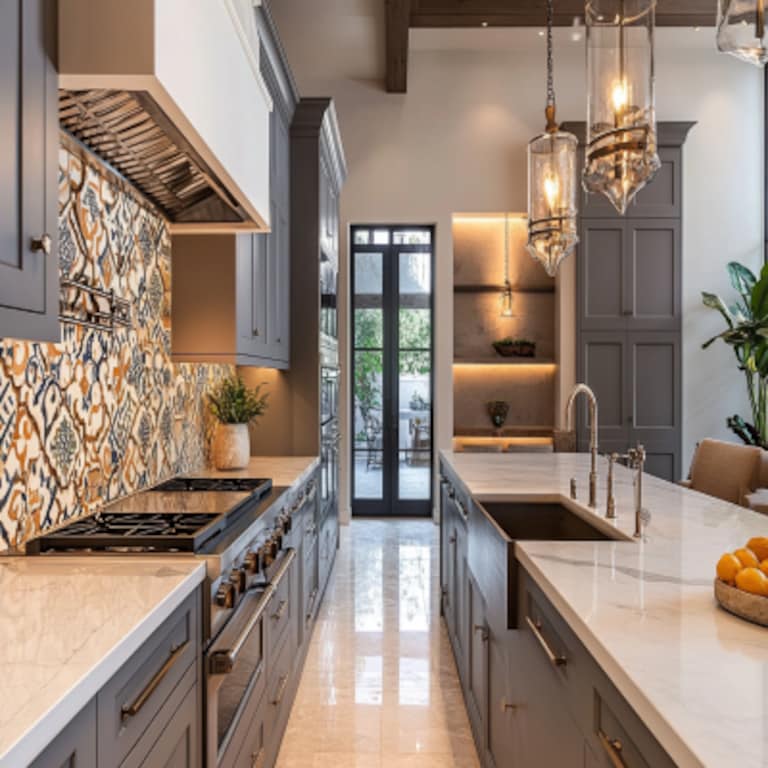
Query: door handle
(614, 749)
(483, 630)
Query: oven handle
(290, 556)
(222, 662)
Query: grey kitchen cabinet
(629, 312)
(478, 635)
(29, 150)
(636, 377)
(75, 746)
(630, 274)
(661, 198)
(231, 298)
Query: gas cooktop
(180, 515)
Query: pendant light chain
(506, 249)
(550, 61)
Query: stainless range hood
(169, 93)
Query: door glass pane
(362, 237)
(415, 274)
(369, 435)
(415, 376)
(369, 278)
(411, 237)
(381, 236)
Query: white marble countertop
(697, 676)
(68, 624)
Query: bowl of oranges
(741, 586)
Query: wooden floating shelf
(499, 288)
(505, 433)
(506, 361)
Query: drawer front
(279, 690)
(173, 738)
(311, 589)
(253, 753)
(75, 746)
(131, 700)
(282, 610)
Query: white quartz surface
(284, 471)
(68, 624)
(697, 676)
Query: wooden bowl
(747, 606)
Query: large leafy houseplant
(747, 334)
(235, 406)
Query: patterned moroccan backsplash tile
(100, 415)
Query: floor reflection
(379, 687)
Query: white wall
(456, 142)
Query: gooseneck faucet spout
(583, 389)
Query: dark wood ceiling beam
(526, 13)
(398, 25)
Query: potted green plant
(234, 406)
(747, 334)
(510, 347)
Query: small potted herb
(234, 406)
(510, 347)
(498, 411)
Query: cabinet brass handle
(257, 759)
(42, 243)
(131, 710)
(506, 706)
(255, 331)
(483, 630)
(555, 659)
(311, 602)
(614, 749)
(280, 612)
(280, 691)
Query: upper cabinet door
(604, 285)
(654, 264)
(29, 277)
(662, 198)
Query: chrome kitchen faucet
(583, 389)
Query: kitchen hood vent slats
(130, 132)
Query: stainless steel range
(248, 532)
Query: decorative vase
(231, 447)
(498, 410)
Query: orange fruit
(759, 545)
(764, 567)
(727, 568)
(752, 580)
(747, 557)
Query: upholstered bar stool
(725, 470)
(758, 499)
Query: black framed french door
(392, 369)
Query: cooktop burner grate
(257, 486)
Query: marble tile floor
(380, 689)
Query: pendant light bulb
(741, 30)
(551, 182)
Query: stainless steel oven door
(329, 393)
(234, 664)
(329, 463)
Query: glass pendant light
(621, 155)
(741, 29)
(551, 183)
(506, 294)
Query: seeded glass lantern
(621, 156)
(551, 183)
(741, 29)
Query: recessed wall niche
(480, 373)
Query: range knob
(267, 556)
(276, 542)
(225, 595)
(238, 579)
(287, 522)
(253, 561)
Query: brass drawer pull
(257, 759)
(506, 706)
(280, 691)
(280, 612)
(483, 630)
(127, 711)
(614, 749)
(555, 659)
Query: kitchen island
(695, 676)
